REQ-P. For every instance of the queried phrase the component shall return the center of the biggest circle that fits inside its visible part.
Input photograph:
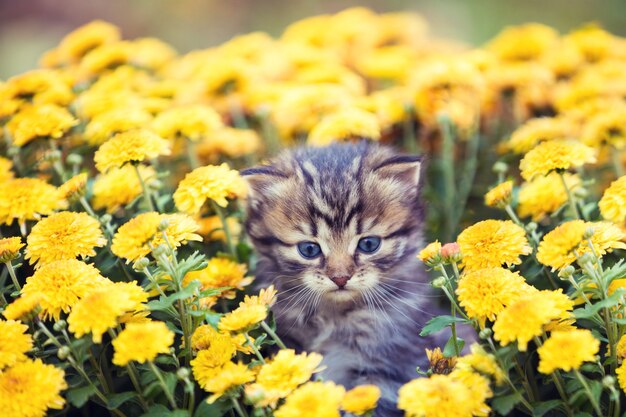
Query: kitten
(337, 230)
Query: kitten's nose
(340, 281)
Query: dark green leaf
(437, 324)
(217, 409)
(505, 403)
(115, 400)
(79, 396)
(159, 410)
(539, 409)
(449, 350)
(163, 303)
(590, 311)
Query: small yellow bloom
(104, 58)
(74, 188)
(606, 128)
(212, 228)
(313, 399)
(6, 172)
(544, 195)
(42, 121)
(119, 187)
(30, 388)
(500, 196)
(524, 42)
(361, 399)
(130, 147)
(594, 42)
(230, 142)
(431, 254)
(538, 130)
(141, 342)
(221, 272)
(266, 298)
(555, 155)
(613, 202)
(14, 343)
(38, 87)
(211, 182)
(243, 318)
(64, 235)
(437, 396)
(28, 199)
(438, 363)
(191, 122)
(479, 387)
(87, 37)
(621, 376)
(10, 248)
(151, 53)
(492, 243)
(220, 347)
(482, 362)
(104, 125)
(567, 350)
(346, 124)
(23, 308)
(621, 347)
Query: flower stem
(229, 240)
(192, 154)
(11, 270)
(570, 197)
(146, 192)
(273, 335)
(167, 392)
(616, 157)
(240, 411)
(592, 399)
(254, 348)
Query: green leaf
(163, 303)
(449, 350)
(590, 311)
(539, 409)
(79, 396)
(115, 400)
(505, 403)
(437, 324)
(217, 409)
(159, 410)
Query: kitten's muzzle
(341, 281)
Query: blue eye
(369, 244)
(309, 250)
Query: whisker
(419, 295)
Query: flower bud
(431, 254)
(63, 352)
(566, 272)
(438, 282)
(10, 248)
(451, 253)
(608, 381)
(485, 333)
(59, 325)
(581, 193)
(531, 227)
(163, 225)
(53, 156)
(500, 196)
(588, 233)
(585, 258)
(106, 218)
(183, 373)
(141, 264)
(74, 159)
(155, 185)
(500, 167)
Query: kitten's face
(336, 221)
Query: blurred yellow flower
(361, 399)
(130, 147)
(191, 122)
(613, 202)
(484, 293)
(567, 350)
(211, 228)
(212, 182)
(492, 243)
(6, 172)
(14, 343)
(74, 188)
(543, 196)
(230, 142)
(28, 199)
(606, 128)
(30, 388)
(106, 124)
(555, 155)
(243, 318)
(594, 42)
(437, 396)
(41, 86)
(151, 53)
(524, 42)
(103, 58)
(85, 38)
(225, 378)
(481, 362)
(621, 347)
(64, 235)
(10, 248)
(119, 186)
(313, 399)
(141, 342)
(221, 272)
(621, 376)
(500, 196)
(41, 121)
(350, 123)
(137, 237)
(538, 130)
(23, 308)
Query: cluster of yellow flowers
(121, 242)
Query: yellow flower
(96, 101)
(313, 399)
(361, 399)
(479, 389)
(6, 172)
(134, 239)
(525, 319)
(243, 318)
(266, 298)
(524, 42)
(100, 310)
(220, 347)
(209, 361)
(151, 53)
(346, 124)
(621, 347)
(130, 147)
(40, 121)
(23, 308)
(225, 378)
(230, 142)
(106, 124)
(484, 293)
(565, 243)
(28, 199)
(544, 195)
(613, 202)
(212, 228)
(119, 186)
(191, 122)
(212, 182)
(14, 343)
(61, 284)
(594, 42)
(103, 58)
(482, 362)
(437, 396)
(431, 254)
(41, 86)
(283, 374)
(10, 248)
(567, 350)
(491, 243)
(438, 363)
(74, 188)
(87, 37)
(221, 272)
(621, 376)
(606, 128)
(555, 155)
(141, 342)
(30, 388)
(500, 196)
(64, 235)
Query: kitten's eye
(369, 244)
(309, 250)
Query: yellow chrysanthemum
(151, 53)
(606, 128)
(565, 243)
(221, 272)
(134, 239)
(346, 124)
(23, 308)
(525, 319)
(212, 228)
(28, 199)
(484, 293)
(225, 378)
(431, 254)
(74, 188)
(10, 248)
(313, 399)
(524, 42)
(42, 121)
(492, 243)
(283, 374)
(6, 170)
(104, 58)
(438, 363)
(130, 147)
(106, 124)
(567, 350)
(30, 388)
(61, 284)
(87, 37)
(479, 388)
(613, 202)
(99, 311)
(544, 195)
(212, 182)
(191, 122)
(266, 298)
(437, 396)
(209, 361)
(361, 399)
(555, 155)
(230, 142)
(119, 187)
(621, 347)
(500, 195)
(594, 42)
(141, 342)
(14, 343)
(242, 318)
(535, 131)
(482, 362)
(40, 86)
(205, 337)
(621, 376)
(64, 235)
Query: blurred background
(30, 27)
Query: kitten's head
(339, 220)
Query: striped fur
(367, 332)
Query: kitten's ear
(404, 168)
(261, 178)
